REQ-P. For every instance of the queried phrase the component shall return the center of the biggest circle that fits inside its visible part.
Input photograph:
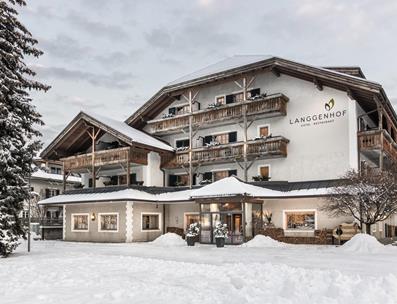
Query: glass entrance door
(225, 213)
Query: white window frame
(299, 210)
(265, 165)
(72, 222)
(184, 218)
(261, 126)
(108, 213)
(151, 213)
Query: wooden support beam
(318, 84)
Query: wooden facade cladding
(269, 106)
(257, 149)
(105, 158)
(377, 140)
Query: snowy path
(60, 272)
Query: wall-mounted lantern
(93, 216)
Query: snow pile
(363, 243)
(169, 240)
(262, 241)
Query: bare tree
(369, 196)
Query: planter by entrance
(220, 242)
(190, 241)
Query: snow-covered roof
(41, 174)
(230, 186)
(132, 133)
(121, 195)
(227, 64)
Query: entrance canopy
(232, 186)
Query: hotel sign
(328, 116)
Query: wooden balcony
(257, 149)
(373, 141)
(270, 106)
(105, 158)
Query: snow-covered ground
(62, 272)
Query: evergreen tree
(18, 119)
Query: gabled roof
(232, 186)
(350, 80)
(75, 132)
(226, 64)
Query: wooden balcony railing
(274, 147)
(272, 105)
(105, 157)
(377, 140)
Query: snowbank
(362, 243)
(169, 240)
(262, 241)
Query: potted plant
(220, 234)
(192, 234)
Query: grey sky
(111, 56)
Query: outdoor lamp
(93, 216)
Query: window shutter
(172, 111)
(58, 192)
(47, 193)
(194, 179)
(232, 172)
(255, 92)
(90, 183)
(133, 178)
(232, 137)
(229, 99)
(172, 180)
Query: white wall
(316, 151)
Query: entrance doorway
(235, 215)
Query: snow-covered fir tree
(18, 120)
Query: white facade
(318, 149)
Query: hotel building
(246, 136)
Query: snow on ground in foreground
(262, 241)
(363, 243)
(65, 272)
(169, 240)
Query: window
(181, 143)
(220, 100)
(51, 192)
(253, 93)
(300, 220)
(80, 222)
(264, 131)
(150, 221)
(264, 171)
(55, 170)
(218, 175)
(191, 218)
(222, 139)
(178, 110)
(178, 180)
(108, 222)
(123, 179)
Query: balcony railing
(261, 148)
(377, 140)
(105, 157)
(272, 105)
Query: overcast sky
(111, 56)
